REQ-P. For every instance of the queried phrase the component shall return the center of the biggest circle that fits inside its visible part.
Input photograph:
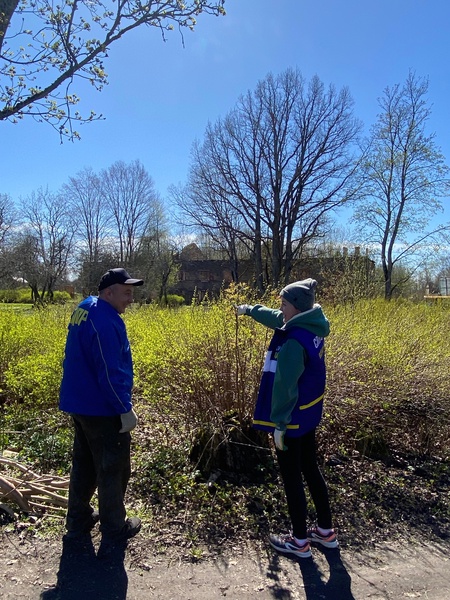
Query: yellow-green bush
(23, 296)
(197, 368)
(31, 350)
(201, 361)
(388, 375)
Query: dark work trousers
(101, 459)
(297, 462)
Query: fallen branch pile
(32, 493)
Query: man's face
(119, 296)
(288, 310)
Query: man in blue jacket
(96, 391)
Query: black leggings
(298, 461)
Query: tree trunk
(7, 9)
(387, 272)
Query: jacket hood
(313, 320)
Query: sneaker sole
(333, 544)
(307, 554)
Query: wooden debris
(33, 493)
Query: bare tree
(269, 173)
(128, 191)
(7, 219)
(46, 47)
(213, 214)
(48, 232)
(93, 218)
(156, 257)
(404, 175)
(26, 258)
(7, 212)
(83, 195)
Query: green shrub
(197, 372)
(61, 297)
(388, 384)
(200, 362)
(25, 296)
(9, 296)
(171, 300)
(31, 353)
(16, 296)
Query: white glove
(129, 421)
(243, 309)
(278, 438)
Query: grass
(201, 473)
(16, 307)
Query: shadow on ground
(316, 584)
(84, 574)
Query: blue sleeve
(112, 357)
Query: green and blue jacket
(294, 375)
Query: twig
(30, 489)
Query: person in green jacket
(290, 404)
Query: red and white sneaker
(288, 545)
(328, 541)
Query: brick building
(201, 276)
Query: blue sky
(161, 95)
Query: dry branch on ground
(33, 493)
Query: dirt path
(32, 568)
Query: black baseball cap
(117, 276)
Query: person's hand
(278, 438)
(242, 309)
(129, 421)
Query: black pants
(101, 459)
(297, 462)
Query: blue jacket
(97, 369)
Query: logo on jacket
(78, 316)
(317, 341)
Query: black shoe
(114, 545)
(85, 531)
(131, 528)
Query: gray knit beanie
(300, 294)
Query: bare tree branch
(267, 175)
(45, 48)
(404, 175)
